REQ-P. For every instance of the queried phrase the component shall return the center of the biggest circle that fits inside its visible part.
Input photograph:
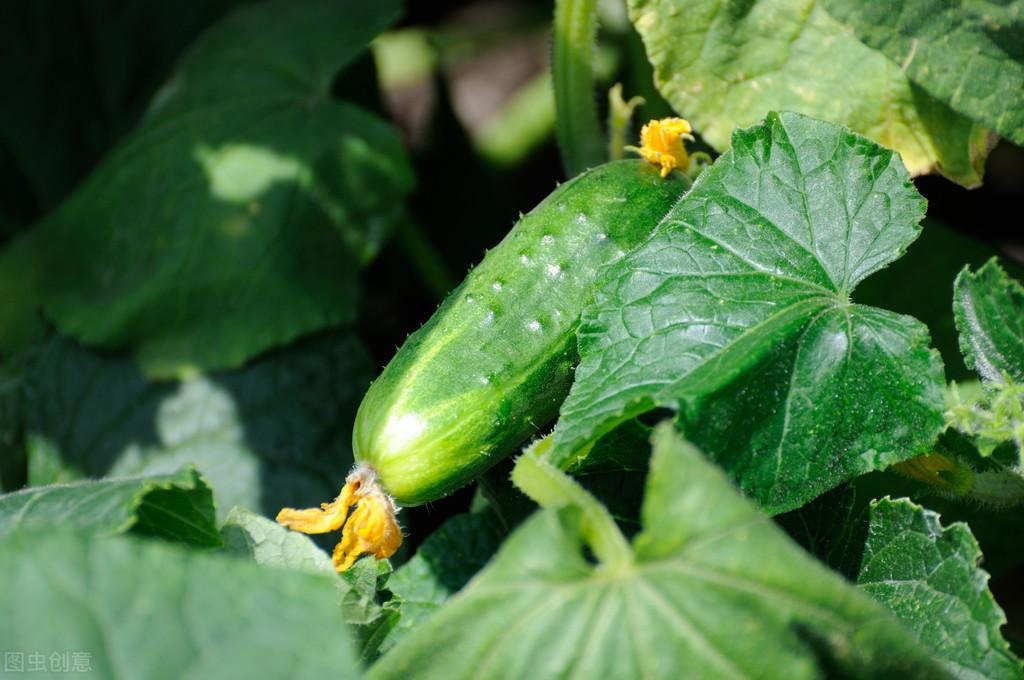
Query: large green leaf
(272, 434)
(725, 65)
(177, 506)
(237, 215)
(928, 575)
(712, 590)
(736, 313)
(968, 54)
(989, 310)
(131, 609)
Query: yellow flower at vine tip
(661, 144)
(371, 528)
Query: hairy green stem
(424, 258)
(620, 112)
(572, 63)
(552, 488)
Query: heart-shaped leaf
(736, 312)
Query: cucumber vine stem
(552, 488)
(572, 64)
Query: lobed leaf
(736, 313)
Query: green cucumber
(496, 360)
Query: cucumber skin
(496, 360)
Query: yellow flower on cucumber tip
(661, 144)
(370, 529)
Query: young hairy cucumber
(496, 360)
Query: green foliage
(158, 611)
(989, 311)
(725, 66)
(540, 609)
(736, 313)
(989, 308)
(267, 543)
(177, 507)
(968, 55)
(191, 322)
(237, 214)
(928, 575)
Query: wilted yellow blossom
(371, 528)
(661, 144)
